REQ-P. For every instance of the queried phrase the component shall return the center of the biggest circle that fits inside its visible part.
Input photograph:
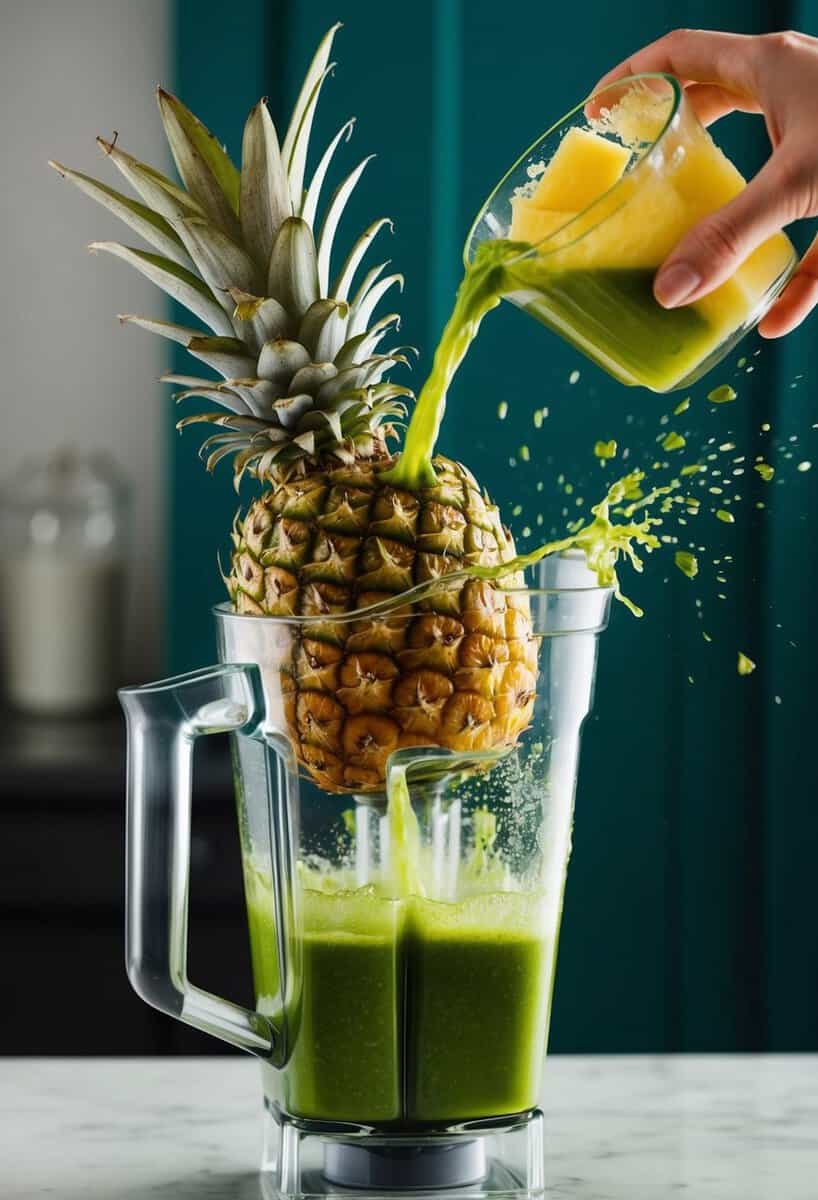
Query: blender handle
(164, 720)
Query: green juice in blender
(478, 983)
(409, 1011)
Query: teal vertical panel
(791, 662)
(384, 78)
(716, 831)
(222, 67)
(446, 236)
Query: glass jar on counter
(65, 521)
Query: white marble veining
(707, 1128)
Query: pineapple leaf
(298, 160)
(344, 282)
(313, 322)
(358, 348)
(221, 263)
(377, 366)
(218, 395)
(143, 220)
(159, 192)
(279, 360)
(306, 441)
(166, 329)
(310, 377)
(180, 284)
(332, 335)
(228, 356)
(228, 446)
(258, 394)
(242, 430)
(290, 409)
(368, 299)
(206, 171)
(265, 197)
(331, 419)
(345, 382)
(293, 275)
(265, 317)
(188, 381)
(309, 210)
(298, 132)
(333, 216)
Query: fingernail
(674, 284)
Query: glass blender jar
(403, 941)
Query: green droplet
(746, 666)
(538, 418)
(687, 563)
(765, 471)
(682, 406)
(516, 510)
(692, 469)
(673, 441)
(722, 395)
(502, 410)
(725, 516)
(524, 453)
(605, 450)
(742, 362)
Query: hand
(775, 74)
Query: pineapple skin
(456, 670)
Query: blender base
(477, 1160)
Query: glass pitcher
(590, 243)
(403, 942)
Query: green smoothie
(410, 1011)
(478, 980)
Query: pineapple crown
(302, 373)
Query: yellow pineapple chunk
(531, 224)
(583, 167)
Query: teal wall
(690, 912)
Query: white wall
(69, 70)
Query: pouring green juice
(412, 1009)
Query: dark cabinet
(62, 803)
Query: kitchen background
(690, 910)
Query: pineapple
(308, 412)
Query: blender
(403, 942)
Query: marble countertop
(630, 1128)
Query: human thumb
(713, 249)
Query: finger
(711, 102)
(798, 299)
(712, 250)
(693, 55)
